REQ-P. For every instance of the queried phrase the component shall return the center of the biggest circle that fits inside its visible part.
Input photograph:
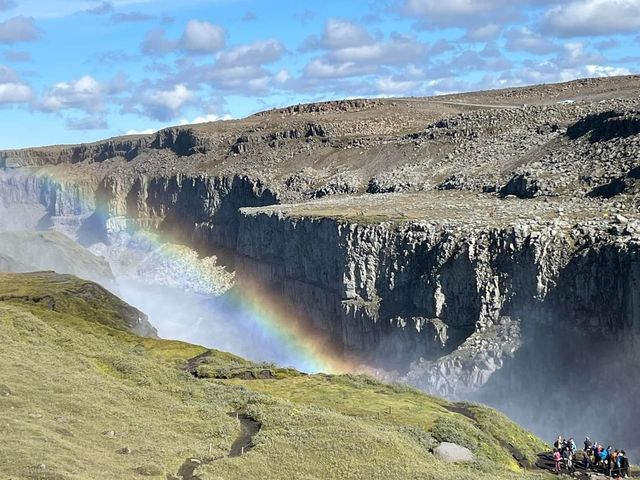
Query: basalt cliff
(465, 244)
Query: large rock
(453, 453)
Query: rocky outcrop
(199, 210)
(179, 140)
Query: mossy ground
(82, 390)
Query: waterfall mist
(214, 322)
(573, 384)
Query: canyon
(470, 244)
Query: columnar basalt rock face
(444, 305)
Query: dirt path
(248, 429)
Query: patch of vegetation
(87, 399)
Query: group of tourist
(612, 462)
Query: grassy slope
(82, 390)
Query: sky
(75, 71)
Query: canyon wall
(441, 304)
(445, 306)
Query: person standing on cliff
(567, 455)
(558, 444)
(624, 464)
(557, 459)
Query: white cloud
(343, 34)
(18, 29)
(282, 77)
(12, 88)
(593, 17)
(258, 53)
(574, 55)
(524, 39)
(86, 94)
(198, 37)
(605, 71)
(211, 117)
(173, 99)
(451, 8)
(321, 68)
(15, 93)
(164, 104)
(483, 33)
(148, 131)
(352, 51)
(397, 50)
(391, 86)
(201, 36)
(156, 43)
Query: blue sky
(78, 70)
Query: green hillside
(81, 397)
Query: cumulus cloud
(321, 68)
(210, 117)
(397, 50)
(201, 36)
(146, 131)
(350, 50)
(86, 94)
(593, 17)
(261, 52)
(451, 8)
(239, 69)
(166, 104)
(12, 88)
(15, 93)
(483, 33)
(525, 39)
(396, 86)
(18, 29)
(575, 54)
(344, 34)
(198, 37)
(156, 43)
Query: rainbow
(310, 348)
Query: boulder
(453, 453)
